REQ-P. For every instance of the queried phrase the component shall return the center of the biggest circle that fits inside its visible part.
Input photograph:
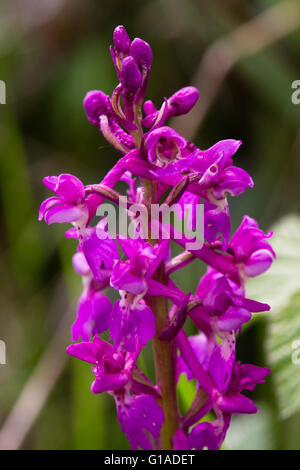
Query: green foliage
(280, 287)
(254, 432)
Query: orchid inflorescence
(160, 166)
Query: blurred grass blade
(20, 213)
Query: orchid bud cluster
(160, 166)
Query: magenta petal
(101, 348)
(226, 148)
(72, 233)
(180, 440)
(83, 351)
(259, 262)
(200, 347)
(233, 180)
(155, 288)
(47, 204)
(142, 414)
(233, 318)
(50, 182)
(110, 382)
(216, 222)
(129, 326)
(254, 306)
(80, 264)
(101, 310)
(161, 251)
(221, 364)
(251, 375)
(99, 252)
(204, 435)
(236, 404)
(92, 316)
(70, 188)
(122, 279)
(219, 296)
(63, 213)
(130, 246)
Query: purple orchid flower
(113, 372)
(250, 248)
(229, 309)
(244, 377)
(164, 145)
(69, 203)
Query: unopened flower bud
(96, 103)
(141, 52)
(121, 40)
(183, 100)
(149, 107)
(131, 77)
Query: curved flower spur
(160, 166)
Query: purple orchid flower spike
(161, 171)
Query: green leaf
(283, 349)
(251, 432)
(280, 287)
(282, 281)
(186, 391)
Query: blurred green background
(51, 53)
